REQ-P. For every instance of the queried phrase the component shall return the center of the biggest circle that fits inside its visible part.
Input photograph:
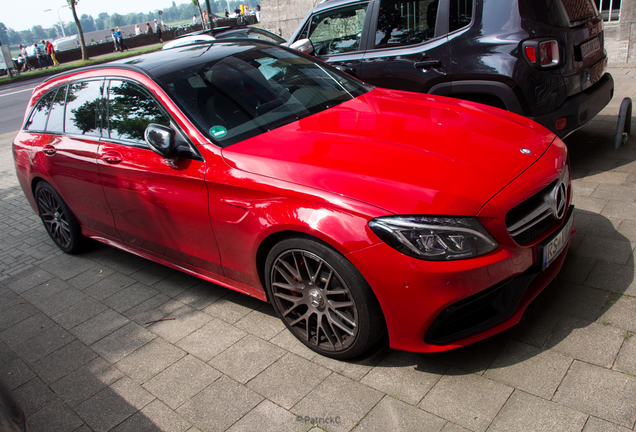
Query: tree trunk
(80, 33)
(201, 14)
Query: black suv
(543, 59)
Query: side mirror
(160, 139)
(303, 45)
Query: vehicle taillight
(532, 56)
(549, 53)
(542, 53)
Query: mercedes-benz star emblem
(559, 199)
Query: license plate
(556, 245)
(590, 47)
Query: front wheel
(58, 219)
(322, 298)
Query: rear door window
(83, 113)
(338, 30)
(404, 22)
(37, 119)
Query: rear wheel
(322, 298)
(58, 219)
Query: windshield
(255, 89)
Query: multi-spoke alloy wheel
(57, 218)
(322, 298)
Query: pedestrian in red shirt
(51, 52)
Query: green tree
(39, 33)
(14, 37)
(27, 37)
(4, 37)
(72, 4)
(52, 33)
(88, 24)
(117, 20)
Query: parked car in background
(31, 50)
(354, 210)
(543, 59)
(66, 43)
(224, 33)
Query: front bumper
(414, 293)
(432, 306)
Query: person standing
(40, 56)
(120, 40)
(113, 33)
(258, 12)
(50, 51)
(158, 30)
(27, 66)
(227, 14)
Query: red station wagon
(354, 210)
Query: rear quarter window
(39, 115)
(56, 117)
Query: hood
(407, 153)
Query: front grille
(536, 215)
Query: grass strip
(77, 64)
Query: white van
(65, 43)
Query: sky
(23, 15)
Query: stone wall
(620, 36)
(283, 16)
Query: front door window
(337, 31)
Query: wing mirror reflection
(160, 139)
(303, 45)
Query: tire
(322, 298)
(58, 219)
(241, 21)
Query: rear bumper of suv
(580, 108)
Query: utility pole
(210, 19)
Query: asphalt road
(13, 101)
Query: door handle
(48, 150)
(111, 157)
(427, 64)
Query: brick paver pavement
(79, 354)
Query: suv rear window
(560, 13)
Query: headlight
(434, 238)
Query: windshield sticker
(218, 131)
